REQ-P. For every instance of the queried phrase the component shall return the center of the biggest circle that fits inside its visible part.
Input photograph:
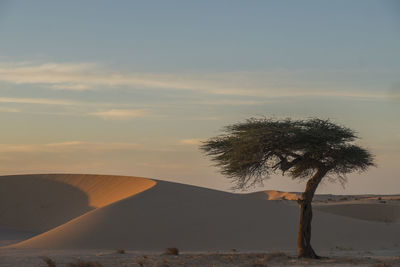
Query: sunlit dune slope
(199, 219)
(275, 195)
(40, 202)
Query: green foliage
(250, 151)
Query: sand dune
(12, 236)
(199, 219)
(38, 203)
(381, 212)
(382, 208)
(275, 195)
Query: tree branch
(285, 164)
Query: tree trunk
(304, 234)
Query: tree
(311, 149)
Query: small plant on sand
(171, 251)
(262, 261)
(141, 262)
(121, 251)
(49, 262)
(164, 263)
(381, 265)
(276, 254)
(82, 263)
(227, 258)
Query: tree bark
(304, 247)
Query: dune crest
(40, 202)
(103, 190)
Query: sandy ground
(28, 258)
(67, 217)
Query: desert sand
(61, 214)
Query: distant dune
(110, 212)
(275, 195)
(383, 208)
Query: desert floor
(30, 257)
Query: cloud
(121, 114)
(266, 84)
(68, 146)
(73, 87)
(40, 101)
(194, 141)
(84, 108)
(9, 110)
(81, 76)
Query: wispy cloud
(121, 114)
(268, 84)
(73, 87)
(194, 141)
(80, 76)
(4, 148)
(68, 146)
(9, 110)
(79, 108)
(40, 101)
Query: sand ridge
(103, 190)
(40, 202)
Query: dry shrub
(142, 261)
(121, 251)
(381, 265)
(227, 258)
(171, 251)
(49, 262)
(82, 263)
(276, 254)
(164, 263)
(261, 262)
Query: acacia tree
(311, 149)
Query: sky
(133, 87)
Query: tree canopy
(311, 149)
(250, 151)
